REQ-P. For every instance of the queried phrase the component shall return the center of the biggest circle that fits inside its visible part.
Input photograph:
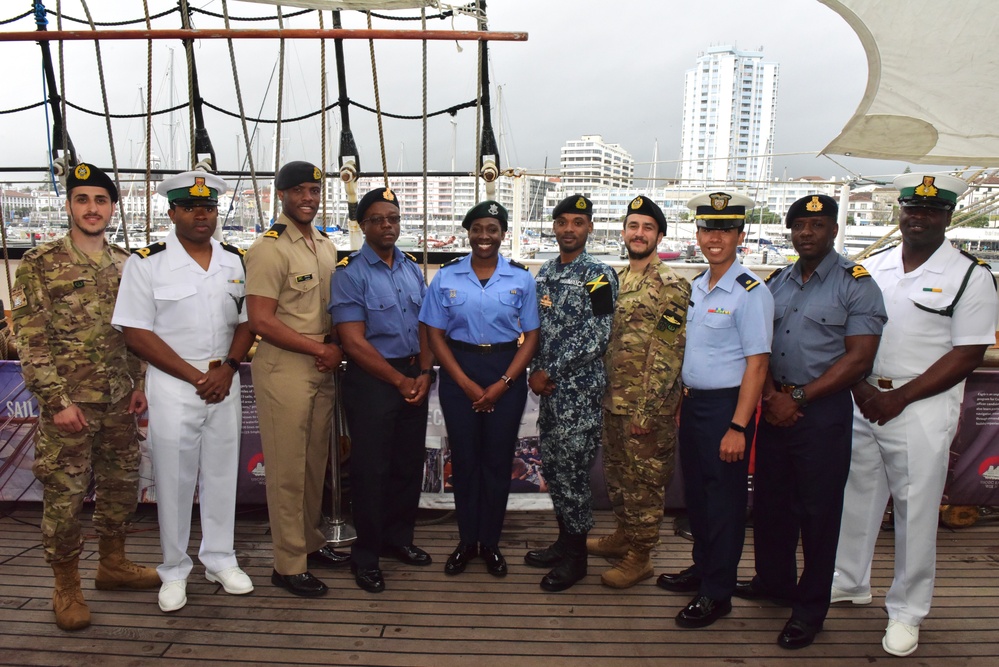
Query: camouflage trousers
(108, 449)
(637, 470)
(567, 459)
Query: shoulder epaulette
(979, 262)
(411, 257)
(347, 260)
(276, 230)
(234, 249)
(773, 274)
(322, 232)
(150, 249)
(857, 271)
(880, 250)
(700, 274)
(518, 265)
(748, 281)
(453, 261)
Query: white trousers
(185, 435)
(907, 459)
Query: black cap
(378, 194)
(296, 173)
(812, 206)
(88, 174)
(575, 204)
(645, 206)
(485, 209)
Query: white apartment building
(729, 110)
(589, 162)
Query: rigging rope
(378, 103)
(66, 156)
(322, 105)
(108, 24)
(149, 125)
(478, 108)
(280, 105)
(423, 24)
(185, 18)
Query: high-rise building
(588, 163)
(729, 107)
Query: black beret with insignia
(378, 194)
(645, 206)
(812, 206)
(296, 173)
(486, 209)
(574, 204)
(88, 174)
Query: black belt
(402, 362)
(690, 392)
(481, 349)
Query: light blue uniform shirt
(468, 312)
(386, 299)
(724, 326)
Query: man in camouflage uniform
(643, 393)
(89, 390)
(576, 296)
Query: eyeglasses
(378, 220)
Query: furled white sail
(931, 95)
(360, 5)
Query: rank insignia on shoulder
(322, 232)
(858, 272)
(545, 302)
(748, 281)
(773, 274)
(518, 265)
(234, 249)
(452, 261)
(346, 260)
(18, 299)
(275, 231)
(150, 249)
(411, 258)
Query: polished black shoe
(797, 634)
(370, 579)
(550, 556)
(328, 557)
(409, 554)
(702, 612)
(495, 563)
(751, 590)
(571, 569)
(681, 582)
(303, 584)
(459, 558)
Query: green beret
(89, 175)
(485, 209)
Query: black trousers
(799, 479)
(388, 448)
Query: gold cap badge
(927, 189)
(199, 189)
(316, 174)
(814, 205)
(719, 201)
(82, 172)
(637, 203)
(387, 195)
(581, 204)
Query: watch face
(798, 394)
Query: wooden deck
(427, 618)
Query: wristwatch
(431, 372)
(233, 364)
(507, 380)
(798, 396)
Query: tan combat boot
(614, 545)
(116, 571)
(631, 569)
(70, 608)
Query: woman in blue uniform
(475, 310)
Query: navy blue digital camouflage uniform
(576, 308)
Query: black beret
(575, 204)
(378, 194)
(812, 206)
(296, 173)
(645, 206)
(486, 209)
(88, 174)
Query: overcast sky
(609, 68)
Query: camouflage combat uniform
(576, 306)
(643, 360)
(61, 307)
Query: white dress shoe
(233, 580)
(839, 595)
(173, 595)
(900, 639)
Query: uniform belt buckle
(686, 391)
(787, 388)
(214, 363)
(885, 383)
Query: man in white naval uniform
(942, 309)
(180, 306)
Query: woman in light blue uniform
(476, 309)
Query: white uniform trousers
(186, 434)
(907, 459)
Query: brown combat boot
(70, 608)
(116, 571)
(614, 545)
(631, 569)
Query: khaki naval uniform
(294, 399)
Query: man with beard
(643, 393)
(180, 307)
(941, 318)
(375, 304)
(89, 390)
(828, 317)
(288, 272)
(576, 296)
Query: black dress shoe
(751, 590)
(681, 582)
(328, 557)
(370, 579)
(495, 563)
(300, 584)
(409, 554)
(797, 634)
(459, 558)
(702, 612)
